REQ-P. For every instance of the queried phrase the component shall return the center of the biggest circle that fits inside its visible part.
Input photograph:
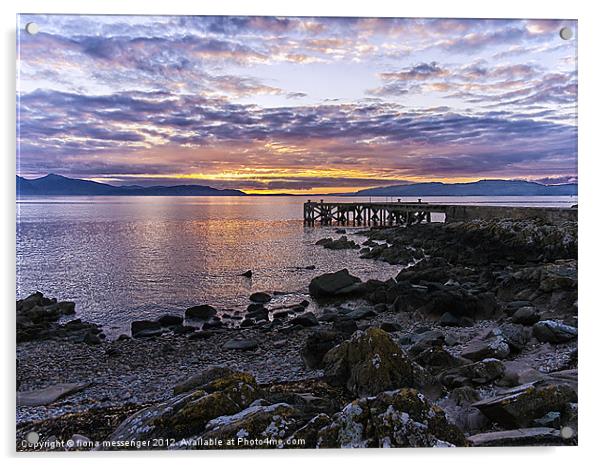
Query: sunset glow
(296, 105)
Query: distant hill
(477, 188)
(57, 185)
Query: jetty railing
(365, 213)
(410, 213)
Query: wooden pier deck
(409, 213)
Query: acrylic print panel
(245, 232)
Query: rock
(183, 329)
(368, 363)
(341, 243)
(487, 346)
(208, 375)
(317, 345)
(92, 339)
(307, 319)
(140, 326)
(534, 436)
(204, 311)
(260, 297)
(280, 343)
(248, 274)
(477, 373)
(390, 327)
(517, 336)
(187, 414)
(400, 418)
(436, 359)
(169, 320)
(66, 307)
(48, 395)
(526, 315)
(450, 320)
(272, 423)
(553, 331)
(213, 323)
(551, 419)
(360, 313)
(334, 284)
(242, 344)
(520, 406)
(340, 231)
(345, 326)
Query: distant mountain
(477, 188)
(57, 185)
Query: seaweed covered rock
(369, 363)
(214, 394)
(400, 418)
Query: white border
(589, 196)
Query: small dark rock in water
(341, 243)
(244, 345)
(139, 326)
(281, 314)
(340, 231)
(247, 274)
(306, 320)
(260, 297)
(168, 320)
(123, 337)
(526, 315)
(553, 331)
(204, 311)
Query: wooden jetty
(410, 213)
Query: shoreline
(481, 282)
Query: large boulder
(400, 418)
(369, 363)
(490, 344)
(334, 284)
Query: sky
(297, 105)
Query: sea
(130, 258)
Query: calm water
(127, 258)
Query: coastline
(479, 290)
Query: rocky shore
(473, 343)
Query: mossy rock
(368, 363)
(186, 414)
(255, 427)
(400, 418)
